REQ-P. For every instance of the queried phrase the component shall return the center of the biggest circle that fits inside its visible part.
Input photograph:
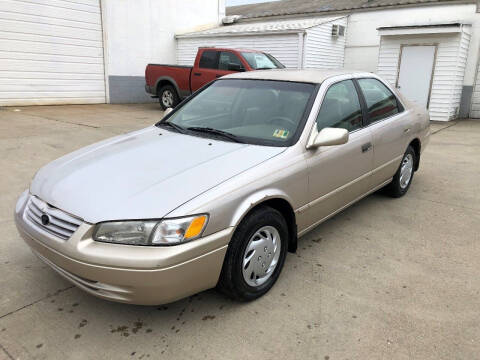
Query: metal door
(416, 71)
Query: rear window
(380, 100)
(209, 59)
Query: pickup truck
(172, 83)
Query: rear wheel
(168, 97)
(255, 255)
(403, 177)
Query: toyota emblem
(45, 219)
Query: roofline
(406, 27)
(424, 29)
(348, 11)
(243, 33)
(247, 33)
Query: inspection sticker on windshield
(280, 133)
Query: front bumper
(132, 274)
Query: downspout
(103, 12)
(301, 49)
(221, 11)
(475, 75)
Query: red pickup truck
(172, 83)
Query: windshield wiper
(222, 133)
(173, 125)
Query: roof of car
(309, 76)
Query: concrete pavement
(384, 279)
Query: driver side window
(227, 59)
(341, 107)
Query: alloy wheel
(167, 98)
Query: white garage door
(51, 52)
(283, 46)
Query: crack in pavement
(63, 122)
(36, 301)
(6, 352)
(443, 128)
(448, 204)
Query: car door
(390, 125)
(206, 70)
(340, 174)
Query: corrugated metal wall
(449, 68)
(51, 52)
(322, 51)
(285, 47)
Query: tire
(403, 178)
(168, 97)
(254, 229)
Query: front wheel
(168, 97)
(255, 255)
(403, 177)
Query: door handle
(407, 130)
(366, 147)
(218, 75)
(197, 74)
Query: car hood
(142, 175)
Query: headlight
(151, 232)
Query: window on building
(341, 107)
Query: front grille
(59, 224)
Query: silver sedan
(218, 191)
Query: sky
(242, 2)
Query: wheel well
(163, 83)
(284, 207)
(415, 144)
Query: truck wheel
(168, 97)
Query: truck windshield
(258, 112)
(259, 61)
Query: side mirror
(167, 111)
(235, 67)
(328, 137)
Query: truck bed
(180, 74)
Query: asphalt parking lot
(384, 279)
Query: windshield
(253, 111)
(260, 61)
